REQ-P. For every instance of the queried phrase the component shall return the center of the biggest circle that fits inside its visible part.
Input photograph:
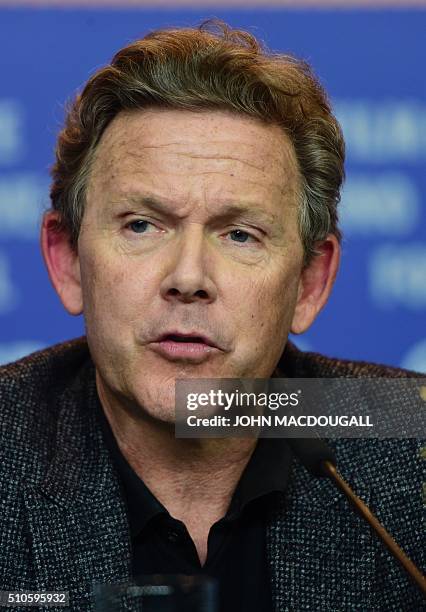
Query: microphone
(319, 459)
(312, 453)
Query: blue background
(371, 63)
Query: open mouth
(189, 348)
(176, 338)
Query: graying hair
(210, 67)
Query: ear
(62, 263)
(315, 284)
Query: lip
(193, 334)
(195, 352)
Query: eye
(239, 235)
(139, 226)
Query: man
(194, 225)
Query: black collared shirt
(236, 555)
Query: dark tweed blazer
(63, 522)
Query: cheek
(115, 288)
(274, 293)
(267, 309)
(116, 299)
(101, 288)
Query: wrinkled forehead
(218, 149)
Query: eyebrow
(226, 211)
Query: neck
(193, 478)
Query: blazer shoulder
(45, 368)
(31, 390)
(306, 364)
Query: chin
(157, 401)
(164, 416)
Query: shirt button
(173, 535)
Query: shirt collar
(267, 471)
(142, 505)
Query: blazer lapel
(77, 522)
(321, 554)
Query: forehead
(217, 151)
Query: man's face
(190, 227)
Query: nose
(187, 279)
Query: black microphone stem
(366, 513)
